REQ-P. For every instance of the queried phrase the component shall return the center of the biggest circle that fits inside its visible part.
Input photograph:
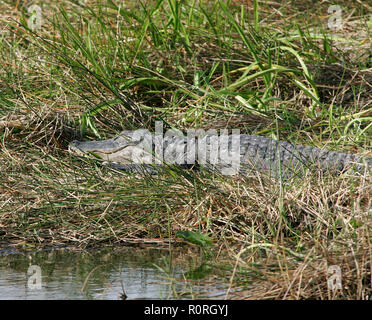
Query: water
(105, 274)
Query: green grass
(94, 70)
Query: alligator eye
(123, 138)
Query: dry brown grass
(275, 240)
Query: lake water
(146, 273)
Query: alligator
(229, 154)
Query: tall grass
(93, 70)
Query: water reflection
(102, 274)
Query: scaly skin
(128, 150)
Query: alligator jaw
(112, 150)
